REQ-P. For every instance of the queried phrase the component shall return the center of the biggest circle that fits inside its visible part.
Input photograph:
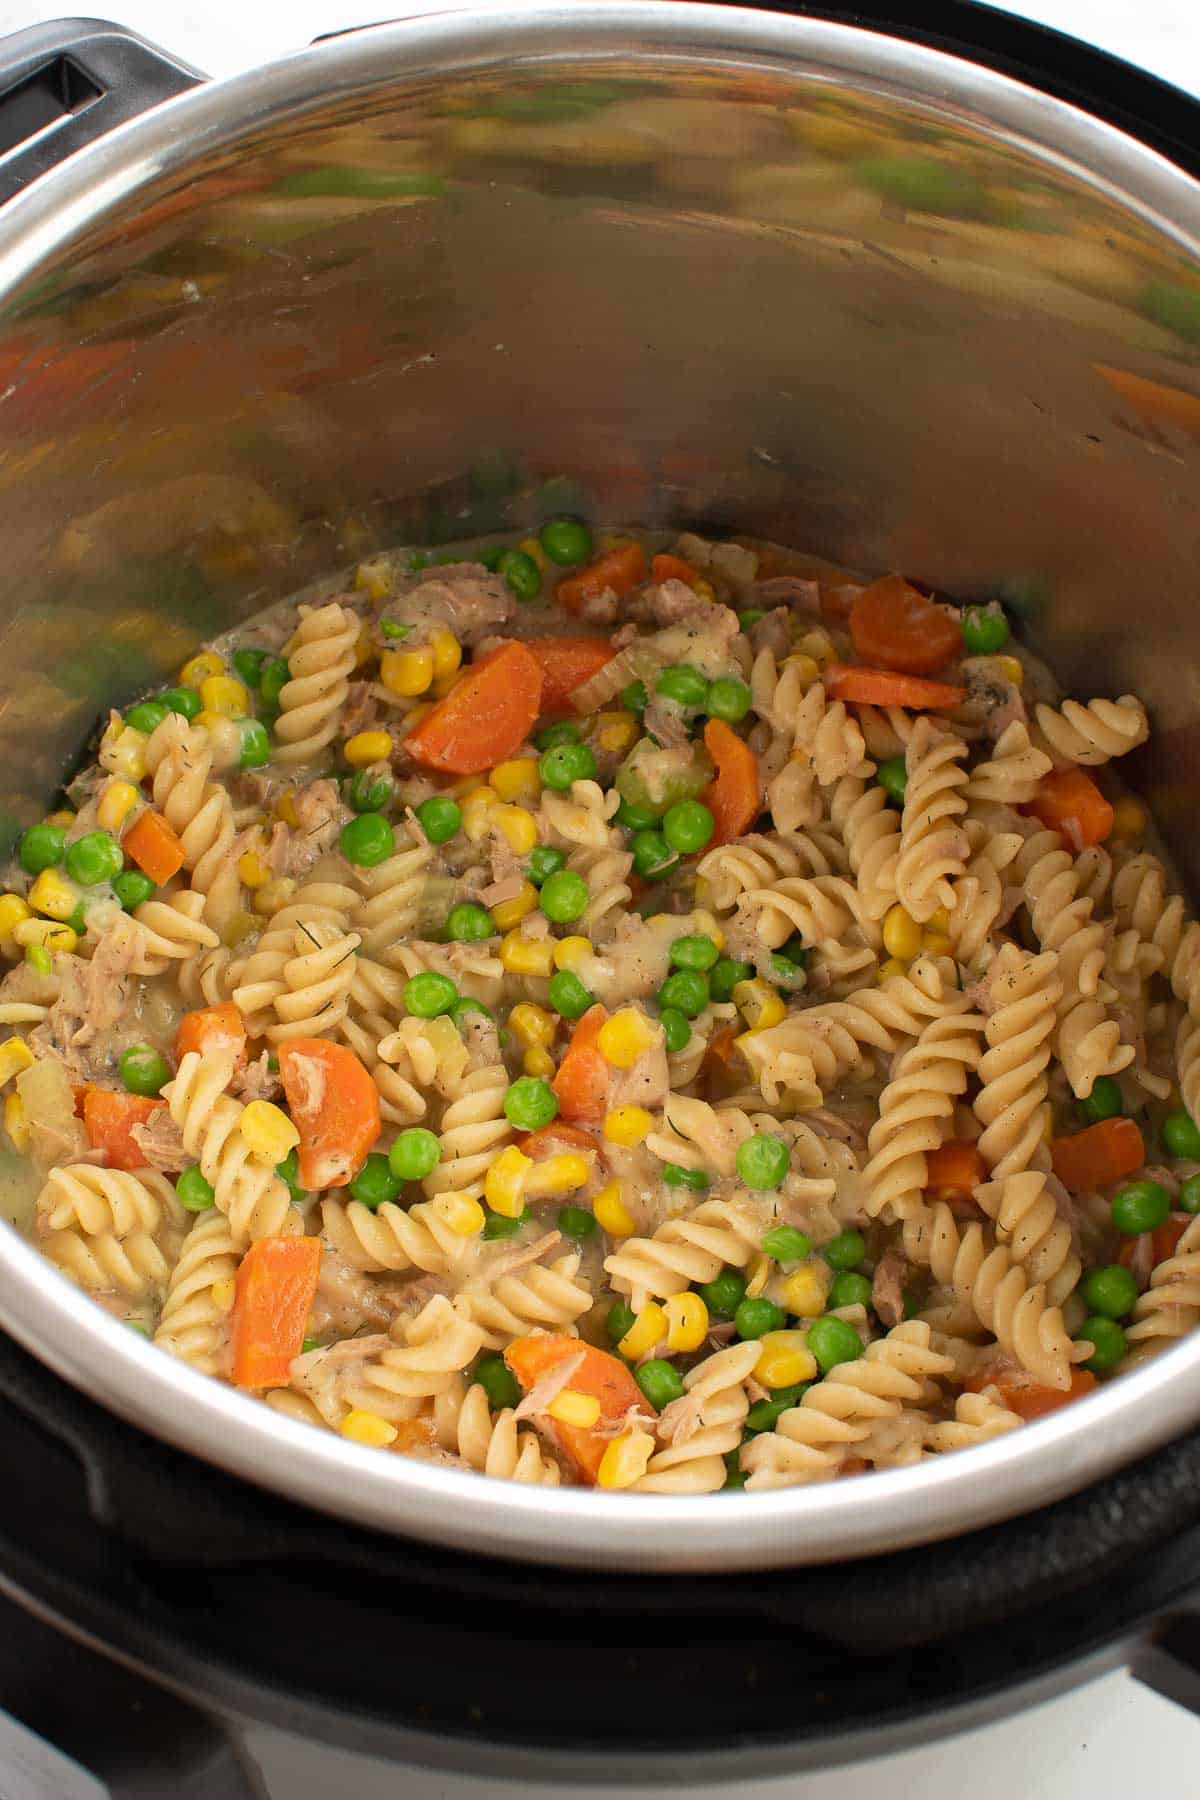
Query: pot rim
(883, 1511)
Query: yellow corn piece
(625, 1460)
(225, 696)
(647, 1330)
(367, 747)
(252, 870)
(890, 969)
(447, 652)
(54, 895)
(277, 893)
(759, 1004)
(807, 668)
(936, 943)
(901, 934)
(285, 808)
(123, 752)
(804, 1293)
(373, 578)
(571, 1408)
(47, 932)
(687, 1321)
(818, 644)
(628, 1125)
(758, 1277)
(267, 1131)
(13, 911)
(507, 913)
(558, 1174)
(573, 953)
(476, 812)
(516, 780)
(504, 1183)
(706, 924)
(616, 732)
(1011, 669)
(1129, 817)
(624, 1037)
(533, 548)
(517, 826)
(15, 1055)
(60, 818)
(538, 1062)
(115, 805)
(200, 668)
(531, 1024)
(224, 1293)
(363, 1427)
(407, 672)
(16, 1123)
(462, 1214)
(784, 1358)
(612, 1214)
(525, 956)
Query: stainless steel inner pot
(697, 265)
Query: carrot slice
(880, 687)
(217, 1030)
(1097, 1157)
(1165, 1242)
(334, 1105)
(673, 568)
(894, 624)
(1069, 801)
(954, 1170)
(566, 663)
(550, 1139)
(276, 1284)
(154, 845)
(734, 797)
(581, 1085)
(485, 717)
(621, 570)
(109, 1119)
(600, 1374)
(1031, 1399)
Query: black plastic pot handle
(64, 84)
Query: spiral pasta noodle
(317, 982)
(536, 1297)
(1012, 772)
(492, 1443)
(395, 896)
(1025, 991)
(192, 1325)
(1170, 1307)
(425, 1356)
(199, 810)
(829, 736)
(933, 846)
(1027, 1222)
(977, 1418)
(691, 1459)
(247, 1190)
(821, 910)
(474, 1131)
(1094, 733)
(762, 859)
(391, 1237)
(685, 1251)
(321, 659)
(915, 1110)
(872, 837)
(173, 930)
(94, 1201)
(262, 980)
(133, 1265)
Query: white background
(1109, 1738)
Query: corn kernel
(687, 1321)
(517, 826)
(46, 932)
(936, 943)
(572, 1408)
(1129, 817)
(373, 578)
(267, 1131)
(460, 1213)
(407, 672)
(363, 1427)
(625, 1460)
(526, 956)
(784, 1358)
(889, 970)
(804, 1293)
(54, 895)
(15, 1055)
(224, 738)
(901, 933)
(704, 588)
(13, 911)
(123, 752)
(226, 696)
(285, 808)
(706, 924)
(625, 1037)
(628, 1125)
(539, 1063)
(60, 818)
(200, 668)
(760, 1272)
(807, 668)
(476, 813)
(533, 549)
(277, 893)
(447, 652)
(531, 1024)
(558, 1174)
(516, 780)
(612, 1214)
(647, 1330)
(367, 747)
(16, 1123)
(252, 870)
(938, 921)
(224, 1293)
(573, 953)
(759, 1004)
(507, 913)
(1011, 669)
(818, 644)
(504, 1183)
(116, 803)
(616, 732)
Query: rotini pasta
(320, 660)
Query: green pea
(184, 700)
(688, 826)
(564, 764)
(439, 818)
(576, 1221)
(39, 958)
(726, 974)
(685, 991)
(42, 847)
(750, 617)
(764, 1415)
(428, 995)
(147, 715)
(636, 818)
(498, 1382)
(848, 1289)
(465, 1005)
(683, 684)
(661, 1383)
(520, 574)
(288, 1172)
(497, 1225)
(1104, 1101)
(367, 840)
(783, 969)
(256, 744)
(1142, 1206)
(78, 920)
(786, 1244)
(414, 1154)
(762, 1161)
(394, 629)
(728, 699)
(552, 735)
(634, 698)
(566, 540)
(1111, 1292)
(195, 1193)
(469, 923)
(367, 793)
(143, 1070)
(530, 1103)
(846, 1250)
(249, 665)
(544, 861)
(651, 856)
(832, 1341)
(693, 953)
(1108, 1344)
(1189, 1195)
(620, 1319)
(564, 896)
(984, 630)
(676, 1030)
(723, 1294)
(93, 858)
(795, 952)
(754, 1318)
(735, 1475)
(375, 1182)
(675, 1175)
(568, 995)
(274, 678)
(1180, 1135)
(307, 1344)
(893, 778)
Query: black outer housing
(228, 1595)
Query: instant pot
(917, 289)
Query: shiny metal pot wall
(668, 263)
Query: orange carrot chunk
(109, 1120)
(954, 1170)
(621, 570)
(486, 716)
(734, 796)
(216, 1030)
(1069, 801)
(1164, 1242)
(276, 1284)
(880, 687)
(893, 624)
(581, 1085)
(673, 568)
(1097, 1157)
(334, 1105)
(1031, 1399)
(600, 1374)
(566, 663)
(154, 845)
(549, 1140)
